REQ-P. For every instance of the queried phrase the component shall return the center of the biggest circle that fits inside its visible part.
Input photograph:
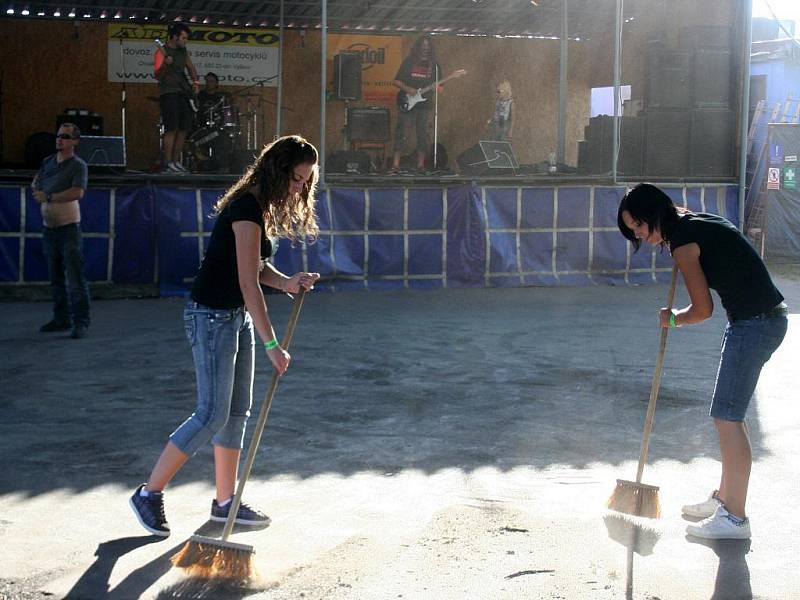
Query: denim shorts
(746, 346)
(223, 348)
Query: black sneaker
(150, 511)
(79, 331)
(245, 516)
(54, 325)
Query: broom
(635, 497)
(211, 558)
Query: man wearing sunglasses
(57, 187)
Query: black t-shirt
(730, 263)
(217, 281)
(417, 73)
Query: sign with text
(239, 56)
(381, 56)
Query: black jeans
(63, 247)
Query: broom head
(210, 558)
(635, 498)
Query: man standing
(418, 70)
(171, 63)
(57, 187)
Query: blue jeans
(224, 359)
(746, 346)
(63, 247)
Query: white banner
(238, 56)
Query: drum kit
(220, 130)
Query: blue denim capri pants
(223, 348)
(746, 346)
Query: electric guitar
(406, 102)
(186, 87)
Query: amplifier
(368, 124)
(88, 123)
(102, 151)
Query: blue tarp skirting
(373, 238)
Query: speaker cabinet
(348, 161)
(347, 76)
(89, 124)
(668, 77)
(631, 146)
(488, 158)
(713, 142)
(596, 153)
(711, 72)
(368, 124)
(667, 143)
(102, 151)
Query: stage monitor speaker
(348, 161)
(89, 124)
(712, 77)
(102, 151)
(347, 76)
(488, 158)
(667, 143)
(668, 77)
(38, 147)
(368, 124)
(712, 143)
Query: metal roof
(466, 17)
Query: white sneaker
(719, 526)
(180, 167)
(704, 509)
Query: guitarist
(171, 63)
(418, 70)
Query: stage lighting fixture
(10, 11)
(25, 12)
(57, 13)
(71, 14)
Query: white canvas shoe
(719, 526)
(704, 509)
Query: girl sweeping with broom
(711, 253)
(274, 198)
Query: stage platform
(376, 232)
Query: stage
(376, 231)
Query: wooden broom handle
(651, 406)
(262, 420)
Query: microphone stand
(435, 117)
(124, 91)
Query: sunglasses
(65, 136)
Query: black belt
(781, 310)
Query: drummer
(214, 156)
(210, 97)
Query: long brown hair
(286, 216)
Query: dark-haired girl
(274, 198)
(712, 254)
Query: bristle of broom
(637, 499)
(207, 560)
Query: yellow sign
(202, 34)
(381, 56)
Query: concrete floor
(454, 444)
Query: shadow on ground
(380, 382)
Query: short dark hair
(175, 28)
(648, 204)
(76, 132)
(214, 75)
